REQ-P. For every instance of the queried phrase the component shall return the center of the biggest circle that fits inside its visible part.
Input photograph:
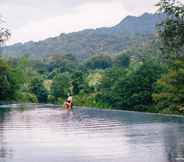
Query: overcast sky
(39, 19)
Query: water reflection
(174, 147)
(46, 132)
(5, 150)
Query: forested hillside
(131, 32)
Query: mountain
(129, 32)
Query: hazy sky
(39, 19)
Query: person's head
(68, 101)
(69, 98)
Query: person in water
(68, 103)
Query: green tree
(134, 92)
(39, 90)
(122, 60)
(25, 73)
(61, 64)
(169, 89)
(61, 85)
(171, 30)
(105, 90)
(99, 62)
(77, 82)
(8, 84)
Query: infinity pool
(46, 133)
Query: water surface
(33, 133)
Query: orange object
(68, 105)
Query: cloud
(18, 14)
(39, 19)
(140, 6)
(88, 15)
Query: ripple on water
(46, 132)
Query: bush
(61, 85)
(26, 97)
(169, 89)
(39, 90)
(8, 84)
(134, 92)
(88, 100)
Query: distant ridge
(130, 31)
